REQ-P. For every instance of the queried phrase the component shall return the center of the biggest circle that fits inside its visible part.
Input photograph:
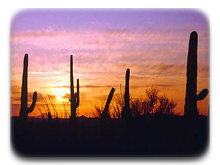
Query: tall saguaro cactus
(24, 93)
(126, 111)
(191, 86)
(74, 96)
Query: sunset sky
(104, 43)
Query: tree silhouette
(151, 101)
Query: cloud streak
(52, 48)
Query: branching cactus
(24, 93)
(105, 113)
(126, 111)
(74, 100)
(191, 86)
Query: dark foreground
(154, 135)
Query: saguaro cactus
(126, 111)
(24, 93)
(105, 112)
(191, 86)
(74, 96)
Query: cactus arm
(202, 94)
(105, 112)
(77, 94)
(29, 110)
(75, 101)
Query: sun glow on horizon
(60, 94)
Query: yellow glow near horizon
(60, 93)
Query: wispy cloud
(52, 48)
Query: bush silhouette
(166, 106)
(152, 98)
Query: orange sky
(153, 44)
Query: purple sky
(165, 20)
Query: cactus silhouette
(105, 113)
(24, 93)
(74, 96)
(191, 98)
(126, 111)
